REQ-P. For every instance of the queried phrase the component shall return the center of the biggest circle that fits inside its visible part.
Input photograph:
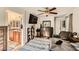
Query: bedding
(36, 45)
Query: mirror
(47, 23)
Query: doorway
(14, 29)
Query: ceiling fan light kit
(48, 11)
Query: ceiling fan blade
(41, 10)
(52, 9)
(40, 13)
(53, 12)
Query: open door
(14, 28)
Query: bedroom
(51, 25)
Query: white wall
(76, 20)
(26, 22)
(2, 16)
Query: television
(33, 19)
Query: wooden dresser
(47, 32)
(3, 38)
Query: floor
(66, 46)
(12, 46)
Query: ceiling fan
(48, 11)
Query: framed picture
(47, 23)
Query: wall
(27, 14)
(76, 20)
(2, 16)
(27, 25)
(13, 16)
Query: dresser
(47, 32)
(3, 38)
